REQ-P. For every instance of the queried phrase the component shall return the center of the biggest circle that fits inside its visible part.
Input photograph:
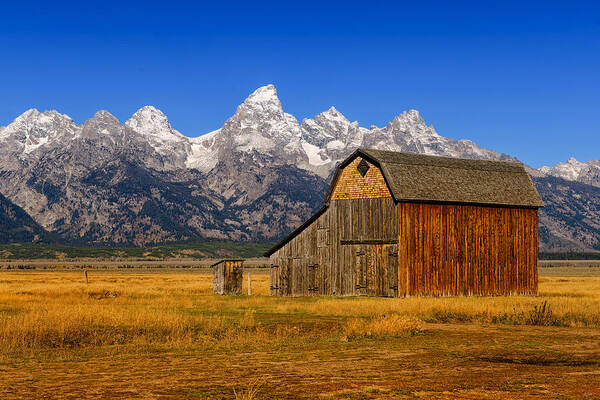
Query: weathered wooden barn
(399, 224)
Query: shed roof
(226, 259)
(425, 178)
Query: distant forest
(570, 256)
(201, 250)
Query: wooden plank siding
(227, 277)
(467, 250)
(323, 258)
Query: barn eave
(297, 231)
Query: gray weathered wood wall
(351, 249)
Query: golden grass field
(156, 335)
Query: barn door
(383, 270)
(376, 270)
(373, 267)
(300, 276)
(284, 276)
(313, 285)
(274, 278)
(361, 270)
(392, 270)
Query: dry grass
(574, 301)
(58, 310)
(251, 392)
(98, 325)
(382, 326)
(165, 335)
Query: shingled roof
(425, 178)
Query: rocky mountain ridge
(143, 182)
(573, 170)
(16, 226)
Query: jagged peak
(34, 114)
(33, 117)
(149, 112)
(411, 115)
(412, 122)
(25, 118)
(571, 164)
(148, 116)
(332, 111)
(570, 170)
(103, 114)
(261, 103)
(575, 162)
(54, 112)
(150, 121)
(263, 94)
(332, 114)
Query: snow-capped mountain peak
(411, 122)
(33, 117)
(328, 124)
(28, 115)
(104, 114)
(33, 129)
(262, 105)
(335, 117)
(264, 94)
(260, 125)
(333, 113)
(574, 170)
(102, 124)
(152, 122)
(567, 170)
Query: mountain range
(260, 175)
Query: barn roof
(415, 177)
(425, 178)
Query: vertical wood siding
(351, 249)
(467, 250)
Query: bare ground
(449, 361)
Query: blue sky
(518, 77)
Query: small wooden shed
(402, 224)
(228, 276)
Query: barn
(400, 224)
